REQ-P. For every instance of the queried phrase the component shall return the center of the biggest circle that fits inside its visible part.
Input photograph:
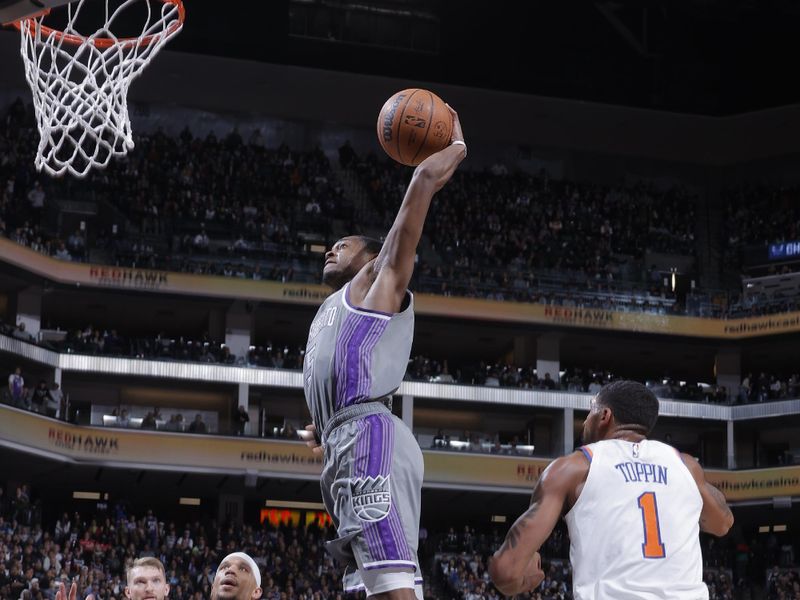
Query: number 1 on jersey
(652, 547)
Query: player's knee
(391, 584)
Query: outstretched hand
(62, 594)
(309, 436)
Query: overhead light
(318, 248)
(763, 529)
(498, 519)
(778, 528)
(189, 501)
(295, 505)
(86, 495)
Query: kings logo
(371, 497)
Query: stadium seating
(233, 207)
(94, 547)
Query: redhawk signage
(121, 277)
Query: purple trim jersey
(354, 355)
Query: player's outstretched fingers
(62, 594)
(458, 134)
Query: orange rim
(104, 42)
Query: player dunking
(356, 356)
(634, 508)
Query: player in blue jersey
(356, 356)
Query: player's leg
(391, 584)
(376, 495)
(387, 489)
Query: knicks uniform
(372, 474)
(634, 530)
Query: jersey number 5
(652, 547)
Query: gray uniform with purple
(372, 475)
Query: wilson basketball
(413, 124)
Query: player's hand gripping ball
(413, 124)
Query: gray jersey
(354, 355)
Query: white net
(80, 80)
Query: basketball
(413, 124)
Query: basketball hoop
(80, 82)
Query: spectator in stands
(547, 383)
(775, 388)
(175, 423)
(21, 334)
(36, 197)
(444, 376)
(289, 431)
(41, 398)
(226, 357)
(123, 420)
(201, 241)
(76, 244)
(62, 253)
(492, 380)
(721, 395)
(745, 389)
(149, 421)
(63, 527)
(241, 419)
(22, 505)
(54, 401)
(347, 155)
(438, 440)
(198, 426)
(16, 388)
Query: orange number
(652, 547)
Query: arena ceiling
(713, 57)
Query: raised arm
(384, 282)
(716, 517)
(516, 566)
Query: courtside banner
(160, 450)
(210, 286)
(32, 433)
(151, 280)
(207, 453)
(756, 484)
(598, 318)
(482, 470)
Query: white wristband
(460, 143)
